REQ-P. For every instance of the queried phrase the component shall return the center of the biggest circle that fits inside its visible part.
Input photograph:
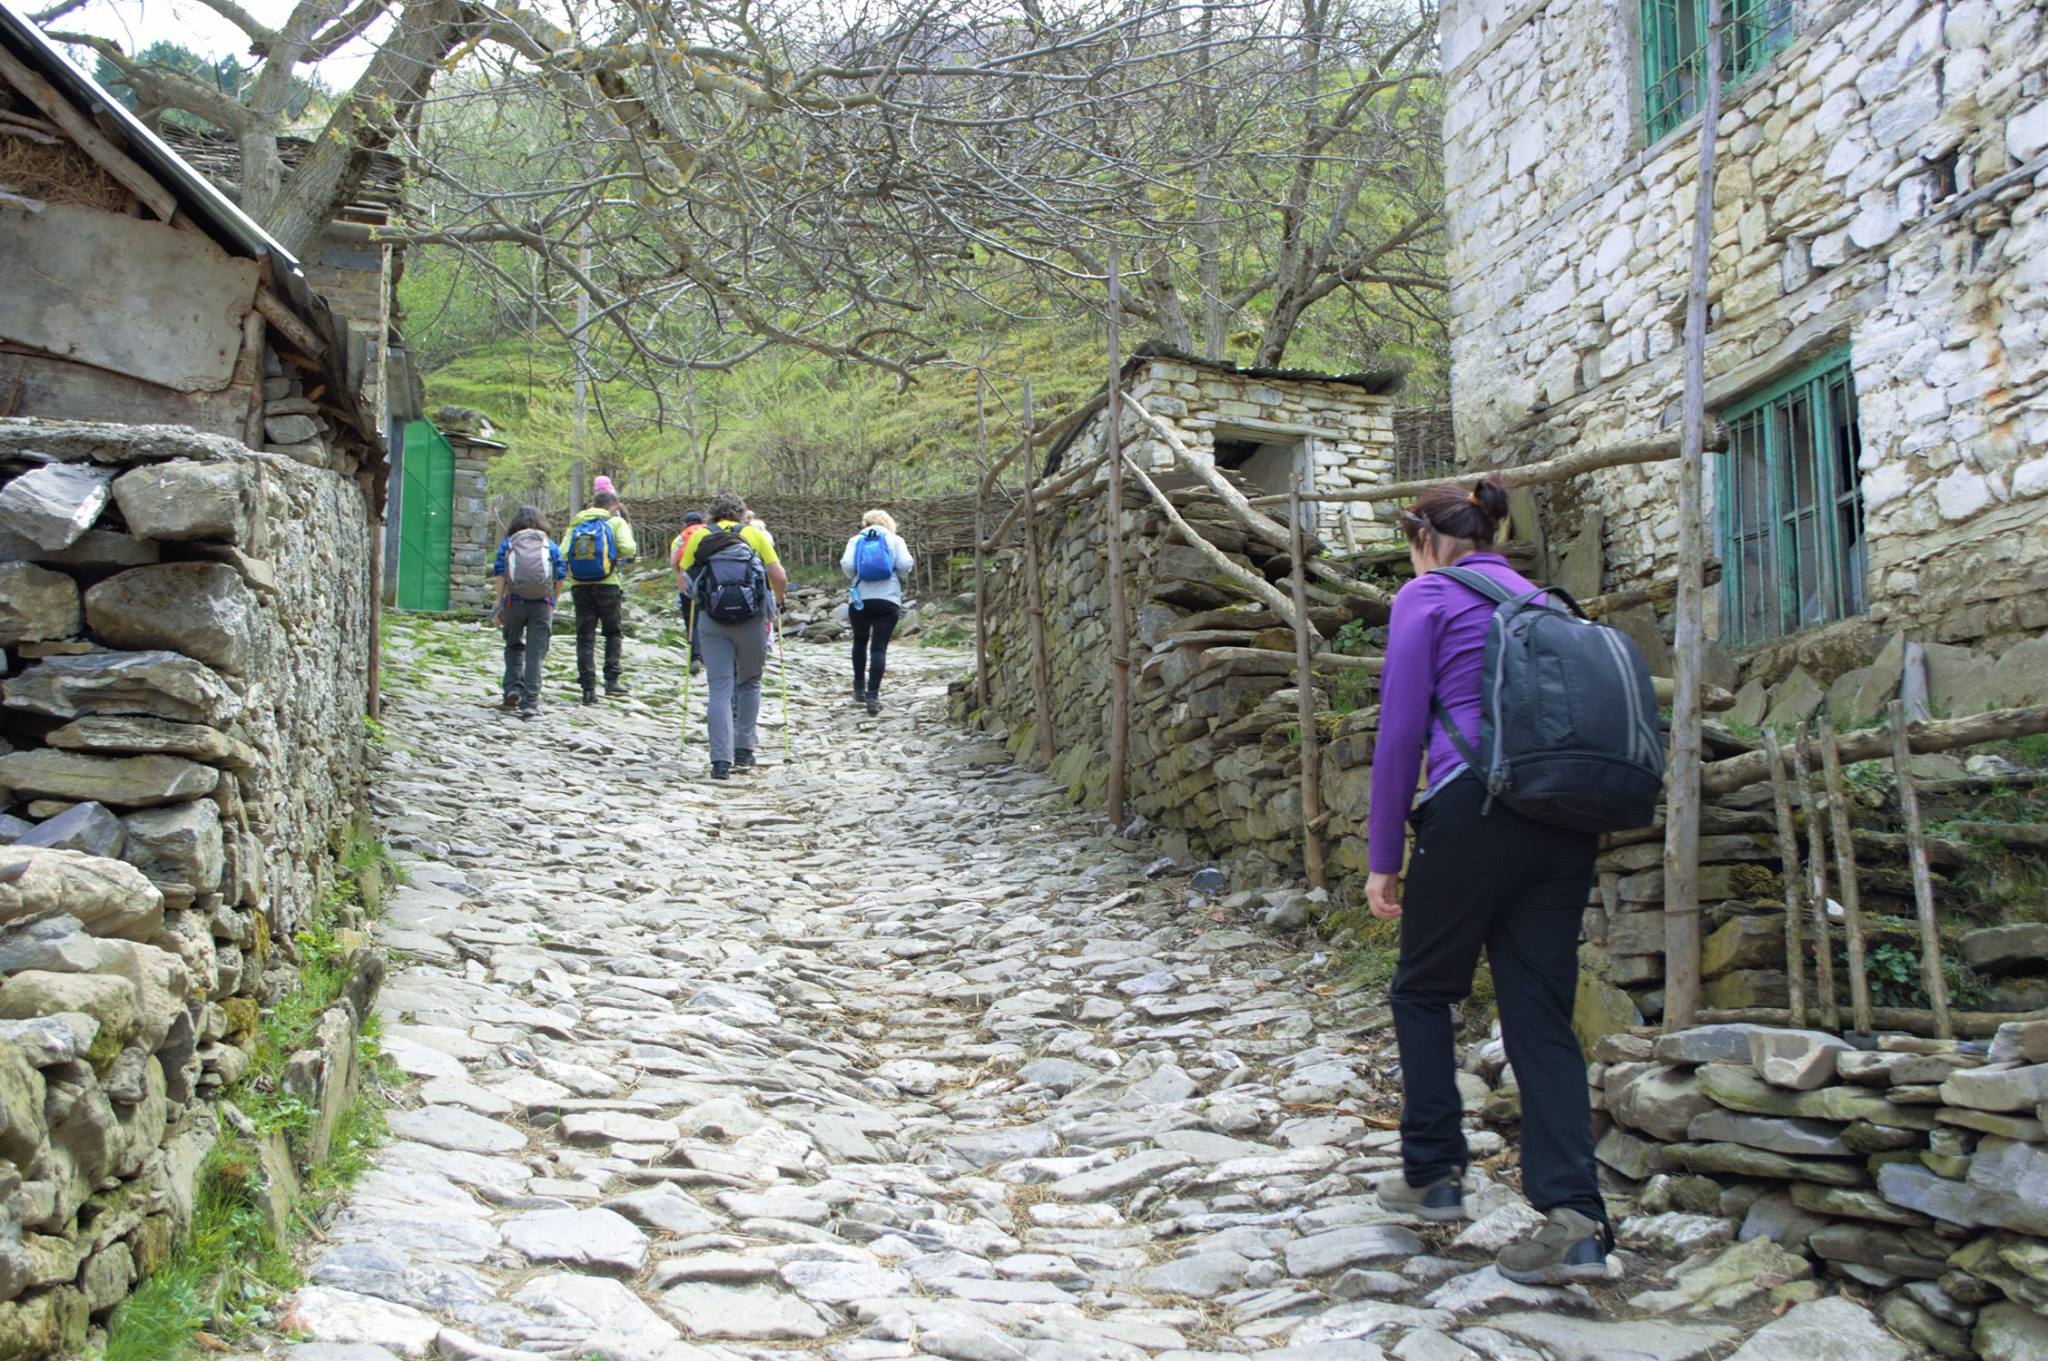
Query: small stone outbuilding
(1879, 289)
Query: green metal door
(426, 519)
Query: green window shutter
(1788, 499)
(1674, 34)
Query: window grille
(1790, 507)
(1674, 33)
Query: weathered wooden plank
(80, 129)
(124, 294)
(59, 389)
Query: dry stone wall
(1215, 752)
(186, 625)
(1880, 187)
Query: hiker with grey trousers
(737, 585)
(878, 563)
(529, 569)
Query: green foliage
(946, 633)
(1893, 969)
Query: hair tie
(1473, 497)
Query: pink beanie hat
(603, 483)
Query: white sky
(135, 24)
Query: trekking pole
(782, 668)
(689, 658)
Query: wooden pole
(1119, 626)
(1659, 450)
(1845, 873)
(1305, 699)
(1682, 823)
(981, 692)
(1034, 585)
(1817, 877)
(1998, 725)
(1788, 858)
(1923, 882)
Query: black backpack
(1568, 724)
(729, 581)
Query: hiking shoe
(590, 696)
(616, 688)
(1569, 1247)
(860, 693)
(511, 699)
(1440, 1202)
(696, 667)
(874, 703)
(743, 758)
(721, 770)
(529, 714)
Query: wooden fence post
(1817, 879)
(1682, 818)
(1034, 585)
(1788, 859)
(1119, 625)
(1305, 701)
(980, 529)
(1845, 873)
(1923, 881)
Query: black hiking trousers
(1518, 888)
(598, 607)
(872, 624)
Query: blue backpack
(872, 560)
(593, 550)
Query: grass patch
(223, 1281)
(946, 633)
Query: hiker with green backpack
(737, 584)
(877, 562)
(529, 570)
(598, 543)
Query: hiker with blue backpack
(878, 563)
(598, 543)
(1541, 731)
(736, 591)
(529, 570)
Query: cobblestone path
(879, 1053)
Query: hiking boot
(721, 770)
(615, 688)
(743, 758)
(860, 693)
(696, 667)
(511, 699)
(1569, 1247)
(529, 714)
(1440, 1202)
(589, 695)
(874, 703)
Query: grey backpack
(1569, 731)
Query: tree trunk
(396, 79)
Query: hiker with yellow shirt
(737, 585)
(598, 542)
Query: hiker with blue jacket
(599, 542)
(878, 563)
(1539, 730)
(529, 570)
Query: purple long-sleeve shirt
(1436, 643)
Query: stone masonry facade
(186, 624)
(1880, 189)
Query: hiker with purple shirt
(1482, 875)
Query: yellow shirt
(752, 537)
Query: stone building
(1336, 430)
(189, 489)
(1879, 331)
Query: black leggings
(872, 623)
(1517, 887)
